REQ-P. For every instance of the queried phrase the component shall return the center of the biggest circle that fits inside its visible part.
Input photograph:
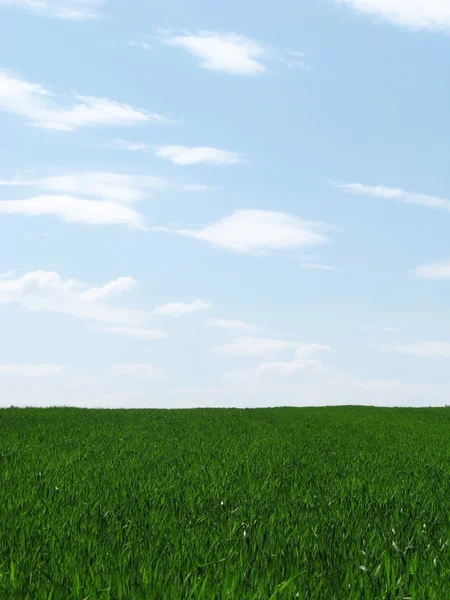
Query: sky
(239, 204)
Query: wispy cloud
(138, 44)
(178, 309)
(386, 329)
(256, 346)
(114, 187)
(226, 52)
(75, 10)
(32, 370)
(232, 53)
(108, 196)
(42, 108)
(420, 350)
(137, 370)
(74, 210)
(195, 187)
(258, 232)
(433, 15)
(135, 332)
(438, 271)
(317, 266)
(388, 193)
(8, 274)
(184, 155)
(47, 291)
(132, 146)
(231, 325)
(306, 362)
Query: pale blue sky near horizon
(326, 120)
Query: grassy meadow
(314, 503)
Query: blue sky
(239, 204)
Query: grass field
(328, 503)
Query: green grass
(338, 503)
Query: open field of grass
(328, 503)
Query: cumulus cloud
(185, 155)
(32, 370)
(42, 108)
(432, 15)
(232, 53)
(136, 370)
(388, 193)
(438, 271)
(420, 350)
(47, 291)
(231, 325)
(177, 309)
(258, 232)
(75, 10)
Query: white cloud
(8, 274)
(438, 271)
(32, 370)
(195, 187)
(386, 329)
(43, 109)
(177, 309)
(317, 266)
(226, 52)
(420, 350)
(136, 370)
(258, 232)
(143, 45)
(74, 210)
(231, 325)
(115, 187)
(46, 291)
(77, 10)
(256, 346)
(293, 59)
(380, 191)
(305, 361)
(433, 15)
(132, 146)
(232, 53)
(329, 391)
(184, 155)
(288, 368)
(136, 332)
(302, 362)
(107, 195)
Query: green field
(318, 503)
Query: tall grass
(333, 503)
